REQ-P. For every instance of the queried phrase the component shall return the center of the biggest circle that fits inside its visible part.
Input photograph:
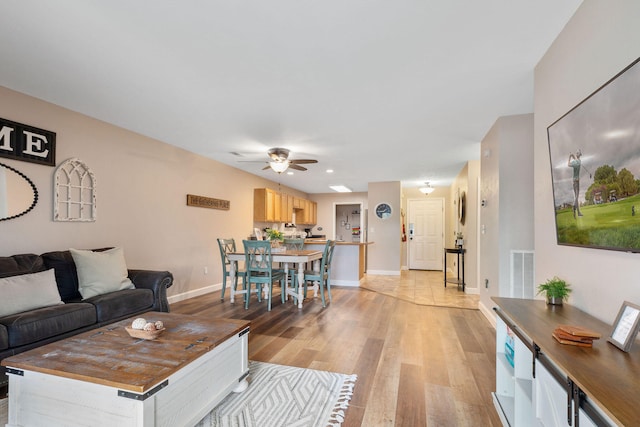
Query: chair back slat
(327, 256)
(226, 246)
(294, 244)
(258, 257)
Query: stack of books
(575, 335)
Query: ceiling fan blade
(266, 167)
(296, 167)
(303, 161)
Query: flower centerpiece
(556, 290)
(275, 236)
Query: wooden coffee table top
(109, 356)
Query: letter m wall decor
(27, 143)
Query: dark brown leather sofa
(26, 330)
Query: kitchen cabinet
(286, 208)
(307, 214)
(272, 206)
(298, 203)
(264, 205)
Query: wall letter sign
(27, 143)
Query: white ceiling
(377, 90)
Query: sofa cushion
(35, 325)
(119, 304)
(4, 338)
(66, 276)
(100, 272)
(28, 291)
(20, 264)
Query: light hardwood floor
(417, 365)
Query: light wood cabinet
(264, 205)
(307, 214)
(314, 213)
(272, 206)
(297, 203)
(286, 210)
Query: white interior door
(426, 240)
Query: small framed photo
(626, 326)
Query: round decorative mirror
(18, 194)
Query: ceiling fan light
(279, 167)
(427, 190)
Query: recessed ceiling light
(329, 170)
(289, 173)
(340, 188)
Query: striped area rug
(280, 396)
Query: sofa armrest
(158, 282)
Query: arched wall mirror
(18, 194)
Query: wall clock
(383, 210)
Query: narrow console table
(459, 280)
(544, 383)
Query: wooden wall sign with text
(208, 202)
(27, 143)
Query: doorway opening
(349, 222)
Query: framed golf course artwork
(594, 151)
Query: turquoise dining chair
(322, 276)
(296, 244)
(228, 246)
(260, 271)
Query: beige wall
(384, 254)
(141, 197)
(467, 181)
(600, 40)
(507, 188)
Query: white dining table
(288, 257)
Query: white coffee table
(106, 378)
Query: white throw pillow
(101, 272)
(28, 292)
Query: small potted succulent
(556, 290)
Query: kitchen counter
(349, 260)
(324, 242)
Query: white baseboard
(384, 272)
(350, 283)
(195, 293)
(471, 291)
(488, 313)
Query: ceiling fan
(280, 161)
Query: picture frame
(625, 328)
(595, 164)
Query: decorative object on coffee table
(140, 328)
(556, 290)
